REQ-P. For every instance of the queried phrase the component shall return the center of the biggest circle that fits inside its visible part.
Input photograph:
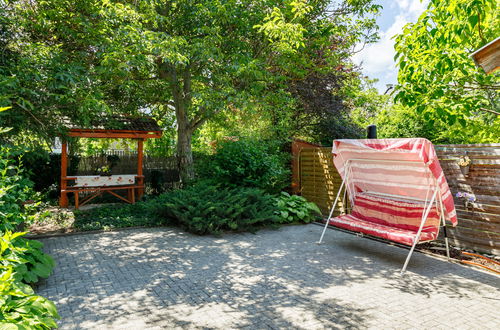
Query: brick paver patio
(165, 278)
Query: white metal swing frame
(436, 197)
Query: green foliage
(204, 208)
(188, 62)
(35, 263)
(15, 190)
(26, 257)
(437, 77)
(209, 209)
(249, 163)
(293, 208)
(397, 121)
(20, 308)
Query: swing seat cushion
(390, 219)
(394, 234)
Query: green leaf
(473, 20)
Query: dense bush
(203, 208)
(44, 169)
(20, 308)
(249, 163)
(293, 208)
(208, 209)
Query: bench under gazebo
(113, 127)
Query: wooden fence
(479, 222)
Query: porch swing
(396, 189)
(115, 127)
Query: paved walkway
(165, 278)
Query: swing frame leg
(444, 226)
(331, 212)
(417, 236)
(409, 255)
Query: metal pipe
(417, 237)
(333, 208)
(371, 132)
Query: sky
(377, 59)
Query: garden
(229, 87)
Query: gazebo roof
(116, 126)
(488, 56)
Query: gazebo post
(140, 179)
(63, 199)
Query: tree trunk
(184, 134)
(181, 94)
(184, 153)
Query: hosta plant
(20, 308)
(293, 208)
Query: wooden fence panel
(479, 222)
(319, 180)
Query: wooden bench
(98, 185)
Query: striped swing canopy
(402, 168)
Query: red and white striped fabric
(403, 215)
(371, 169)
(394, 234)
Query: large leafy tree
(82, 58)
(437, 78)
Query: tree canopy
(437, 77)
(73, 60)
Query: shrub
(249, 163)
(210, 209)
(293, 208)
(20, 308)
(204, 208)
(15, 190)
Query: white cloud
(377, 60)
(412, 8)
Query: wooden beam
(140, 177)
(63, 199)
(115, 135)
(109, 130)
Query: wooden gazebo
(114, 127)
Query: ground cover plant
(212, 209)
(144, 213)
